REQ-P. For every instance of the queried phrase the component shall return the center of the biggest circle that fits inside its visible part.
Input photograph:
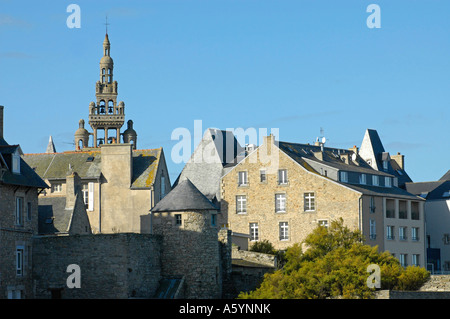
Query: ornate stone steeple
(106, 115)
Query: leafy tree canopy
(332, 263)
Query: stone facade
(256, 201)
(332, 200)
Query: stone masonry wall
(115, 266)
(191, 250)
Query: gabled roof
(446, 176)
(27, 176)
(88, 165)
(184, 197)
(59, 165)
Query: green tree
(334, 265)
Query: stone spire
(51, 146)
(106, 115)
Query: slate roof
(300, 152)
(53, 218)
(185, 196)
(430, 190)
(88, 165)
(446, 176)
(27, 176)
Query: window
(280, 203)
(372, 204)
(56, 187)
(323, 222)
(242, 178)
(29, 212)
(363, 179)
(213, 219)
(178, 221)
(344, 177)
(262, 176)
(375, 181)
(282, 176)
(85, 192)
(16, 162)
(415, 259)
(284, 231)
(387, 182)
(241, 204)
(254, 233)
(402, 233)
(402, 210)
(19, 260)
(19, 211)
(414, 233)
(372, 229)
(308, 199)
(390, 232)
(403, 260)
(415, 211)
(385, 165)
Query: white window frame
(241, 204)
(415, 260)
(309, 199)
(390, 231)
(243, 178)
(283, 231)
(282, 177)
(19, 210)
(20, 252)
(403, 260)
(280, 203)
(254, 231)
(263, 176)
(402, 233)
(56, 187)
(323, 222)
(16, 162)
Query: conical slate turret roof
(185, 196)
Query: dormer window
(16, 162)
(344, 177)
(385, 165)
(363, 179)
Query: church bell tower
(106, 116)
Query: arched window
(103, 71)
(110, 107)
(102, 107)
(109, 71)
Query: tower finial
(106, 24)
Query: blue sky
(297, 66)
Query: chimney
(400, 159)
(1, 121)
(73, 183)
(354, 149)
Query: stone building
(212, 158)
(188, 222)
(437, 213)
(282, 191)
(19, 188)
(119, 183)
